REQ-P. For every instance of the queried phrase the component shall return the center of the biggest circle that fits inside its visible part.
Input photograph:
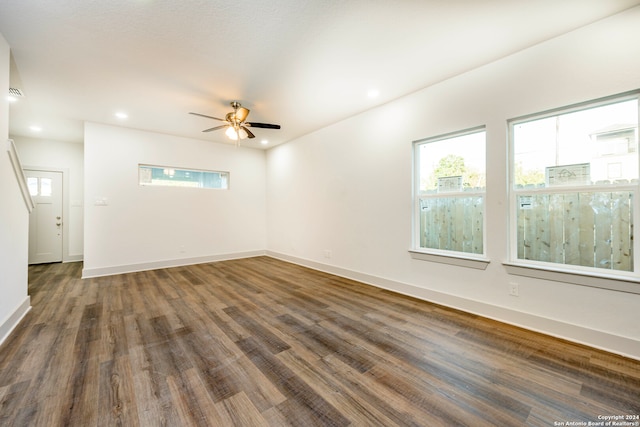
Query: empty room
(305, 213)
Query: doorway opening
(46, 219)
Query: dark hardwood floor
(266, 343)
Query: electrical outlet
(514, 290)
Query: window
(174, 177)
(39, 186)
(32, 184)
(45, 187)
(450, 192)
(574, 176)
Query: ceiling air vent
(16, 92)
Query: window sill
(452, 259)
(594, 280)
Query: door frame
(65, 205)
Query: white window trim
(147, 165)
(576, 277)
(461, 259)
(451, 258)
(585, 276)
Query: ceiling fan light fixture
(233, 134)
(241, 114)
(237, 127)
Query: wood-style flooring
(261, 342)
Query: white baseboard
(602, 340)
(10, 323)
(73, 258)
(154, 265)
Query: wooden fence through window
(452, 223)
(591, 229)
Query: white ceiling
(303, 64)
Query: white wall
(68, 157)
(347, 188)
(14, 221)
(149, 227)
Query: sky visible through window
(572, 138)
(461, 155)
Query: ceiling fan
(236, 124)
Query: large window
(450, 192)
(574, 182)
(175, 177)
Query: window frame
(459, 258)
(184, 169)
(620, 280)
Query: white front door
(45, 221)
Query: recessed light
(264, 142)
(12, 98)
(122, 115)
(373, 93)
(35, 128)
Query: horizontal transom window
(177, 177)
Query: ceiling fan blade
(241, 114)
(249, 133)
(262, 125)
(208, 117)
(215, 128)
